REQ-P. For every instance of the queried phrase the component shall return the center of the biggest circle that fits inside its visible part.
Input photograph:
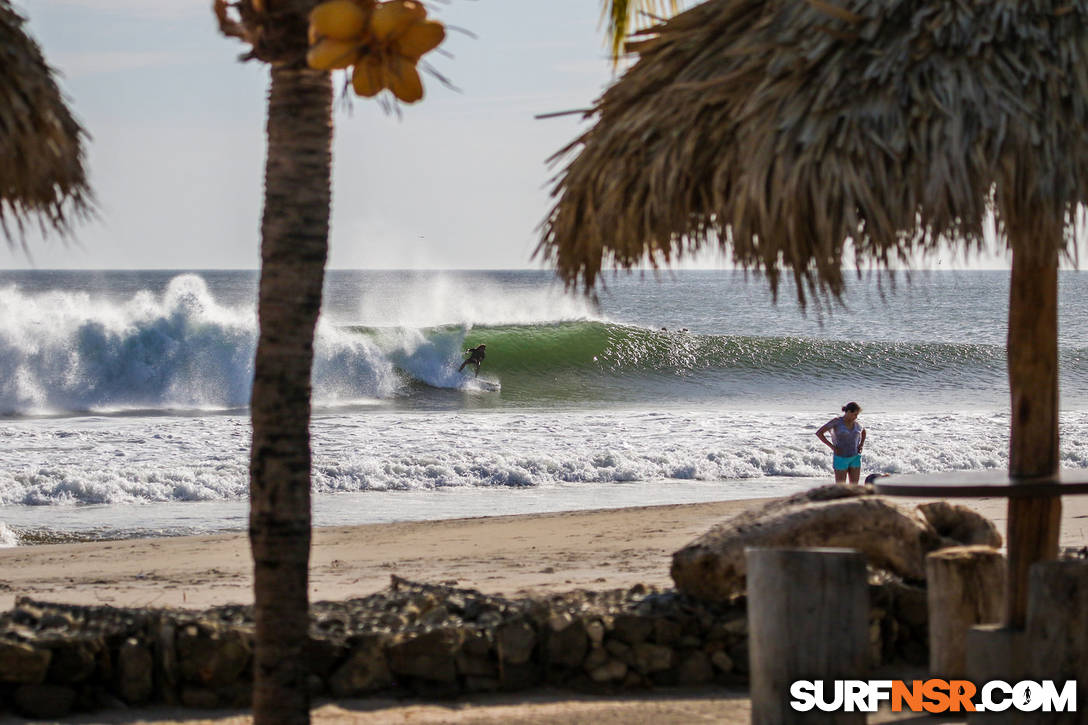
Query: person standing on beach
(847, 439)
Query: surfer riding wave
(475, 357)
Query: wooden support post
(808, 619)
(1057, 632)
(1033, 386)
(1033, 530)
(965, 586)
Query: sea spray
(180, 350)
(183, 350)
(145, 375)
(436, 299)
(68, 351)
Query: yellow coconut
(366, 79)
(399, 75)
(415, 8)
(392, 19)
(338, 19)
(420, 38)
(330, 54)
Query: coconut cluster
(381, 41)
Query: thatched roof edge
(788, 132)
(42, 176)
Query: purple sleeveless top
(846, 440)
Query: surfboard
(490, 386)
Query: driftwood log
(712, 567)
(960, 524)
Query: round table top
(983, 483)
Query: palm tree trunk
(1034, 523)
(294, 246)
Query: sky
(457, 181)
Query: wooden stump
(996, 652)
(808, 615)
(965, 586)
(1057, 631)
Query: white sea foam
(422, 453)
(429, 359)
(181, 350)
(121, 460)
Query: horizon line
(602, 273)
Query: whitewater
(123, 399)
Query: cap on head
(851, 407)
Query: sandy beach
(507, 555)
(501, 555)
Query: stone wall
(411, 638)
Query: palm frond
(627, 16)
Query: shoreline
(507, 555)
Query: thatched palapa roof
(780, 129)
(41, 144)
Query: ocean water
(123, 394)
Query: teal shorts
(841, 463)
